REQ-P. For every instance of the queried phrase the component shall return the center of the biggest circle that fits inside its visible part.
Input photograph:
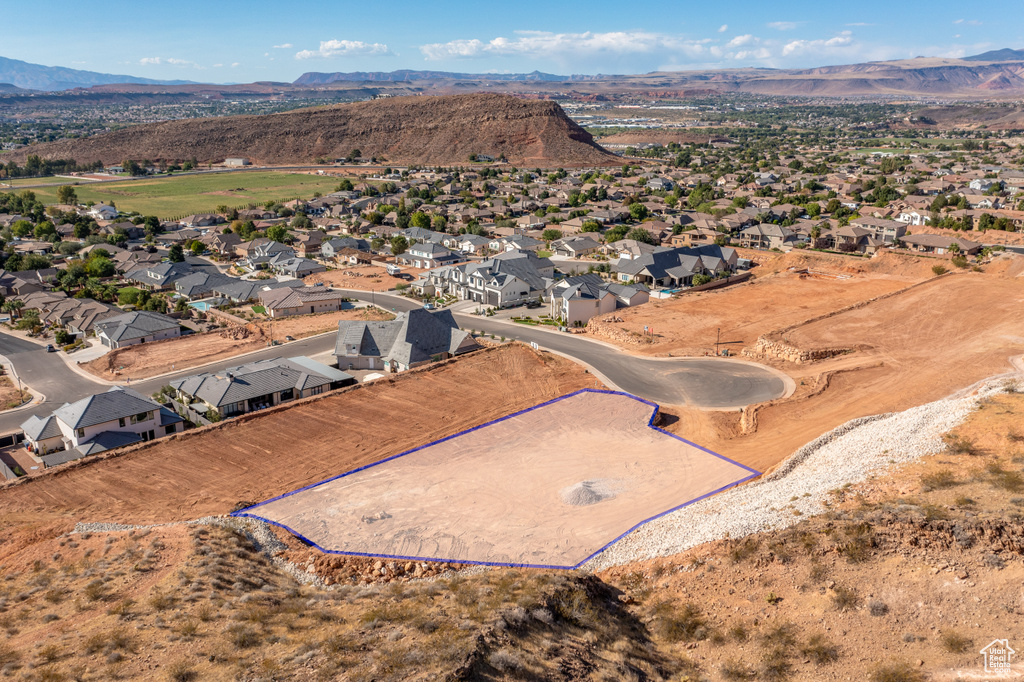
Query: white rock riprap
(850, 454)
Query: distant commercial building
(237, 161)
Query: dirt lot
(209, 471)
(778, 296)
(362, 277)
(152, 359)
(301, 326)
(10, 396)
(546, 488)
(911, 349)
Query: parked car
(50, 348)
(289, 338)
(533, 304)
(428, 306)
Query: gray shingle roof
(135, 325)
(40, 428)
(255, 379)
(412, 337)
(116, 403)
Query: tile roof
(116, 403)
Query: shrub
(743, 550)
(684, 625)
(820, 650)
(877, 608)
(958, 445)
(845, 598)
(896, 672)
(959, 261)
(161, 602)
(504, 661)
(955, 643)
(939, 270)
(939, 480)
(181, 671)
(8, 654)
(733, 669)
(243, 637)
(775, 665)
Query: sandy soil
(10, 396)
(153, 359)
(362, 277)
(778, 296)
(301, 326)
(912, 348)
(254, 458)
(546, 488)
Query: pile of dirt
(586, 493)
(430, 130)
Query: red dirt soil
(210, 470)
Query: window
(80, 433)
(171, 428)
(315, 391)
(120, 422)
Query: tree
(277, 233)
(641, 235)
(638, 211)
(440, 223)
(551, 234)
(345, 186)
(12, 307)
(66, 195)
(176, 254)
(197, 248)
(590, 226)
(101, 267)
(302, 222)
(399, 245)
(420, 219)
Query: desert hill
(428, 130)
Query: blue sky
(231, 41)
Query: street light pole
(718, 341)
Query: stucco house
(413, 338)
(140, 326)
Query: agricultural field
(174, 197)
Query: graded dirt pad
(211, 470)
(546, 487)
(301, 326)
(777, 297)
(361, 277)
(153, 359)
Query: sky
(221, 41)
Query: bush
(845, 598)
(820, 650)
(896, 672)
(181, 671)
(955, 643)
(877, 608)
(684, 625)
(939, 270)
(958, 445)
(959, 261)
(939, 480)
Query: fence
(197, 418)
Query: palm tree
(12, 306)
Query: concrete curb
(37, 397)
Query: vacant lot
(10, 395)
(210, 470)
(174, 197)
(152, 359)
(362, 277)
(548, 487)
(780, 295)
(301, 326)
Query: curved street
(709, 383)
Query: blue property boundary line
(245, 513)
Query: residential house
(100, 422)
(257, 385)
(428, 255)
(413, 338)
(934, 243)
(575, 300)
(283, 302)
(139, 326)
(575, 247)
(888, 231)
(766, 236)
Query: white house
(100, 422)
(140, 326)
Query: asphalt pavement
(712, 383)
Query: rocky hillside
(427, 130)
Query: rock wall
(766, 348)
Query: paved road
(699, 382)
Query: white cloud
(533, 43)
(283, 46)
(723, 28)
(859, 23)
(969, 22)
(236, 64)
(739, 41)
(844, 39)
(344, 48)
(782, 25)
(171, 61)
(759, 54)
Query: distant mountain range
(49, 78)
(1004, 55)
(316, 78)
(996, 73)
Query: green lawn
(174, 197)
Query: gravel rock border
(800, 486)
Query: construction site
(490, 475)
